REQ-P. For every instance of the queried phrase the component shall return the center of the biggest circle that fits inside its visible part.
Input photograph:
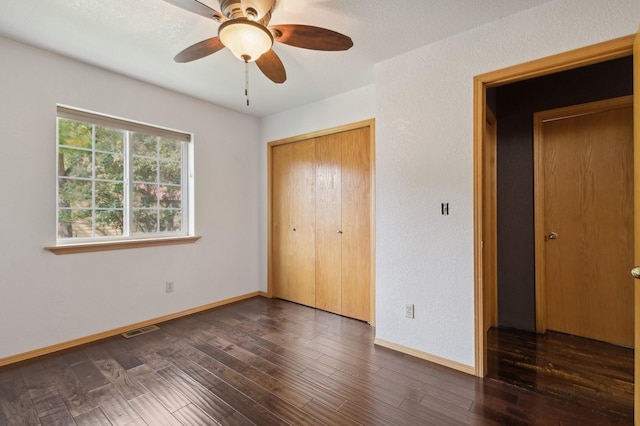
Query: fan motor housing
(259, 11)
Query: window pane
(170, 196)
(170, 172)
(74, 163)
(146, 145)
(170, 220)
(75, 133)
(109, 195)
(145, 169)
(74, 193)
(170, 149)
(144, 195)
(74, 223)
(110, 140)
(145, 221)
(109, 166)
(109, 222)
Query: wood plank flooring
(263, 362)
(588, 373)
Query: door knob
(339, 231)
(552, 236)
(293, 229)
(635, 272)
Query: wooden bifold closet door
(321, 222)
(294, 221)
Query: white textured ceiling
(139, 38)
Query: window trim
(120, 245)
(151, 240)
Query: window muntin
(119, 179)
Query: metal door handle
(635, 272)
(339, 231)
(552, 236)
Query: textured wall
(424, 123)
(47, 299)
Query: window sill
(119, 245)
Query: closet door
(356, 224)
(294, 222)
(329, 223)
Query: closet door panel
(293, 218)
(328, 223)
(303, 224)
(356, 224)
(282, 238)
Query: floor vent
(139, 331)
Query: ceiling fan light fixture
(246, 39)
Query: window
(120, 180)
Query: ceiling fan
(244, 30)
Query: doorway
(520, 312)
(515, 106)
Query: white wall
(424, 151)
(47, 299)
(350, 107)
(424, 107)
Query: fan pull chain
(246, 81)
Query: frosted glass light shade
(246, 39)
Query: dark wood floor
(262, 362)
(594, 375)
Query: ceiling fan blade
(271, 66)
(198, 7)
(309, 37)
(199, 50)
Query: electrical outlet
(169, 286)
(408, 310)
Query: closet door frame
(370, 124)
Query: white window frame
(128, 126)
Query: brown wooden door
(356, 224)
(329, 223)
(293, 221)
(585, 157)
(321, 219)
(343, 223)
